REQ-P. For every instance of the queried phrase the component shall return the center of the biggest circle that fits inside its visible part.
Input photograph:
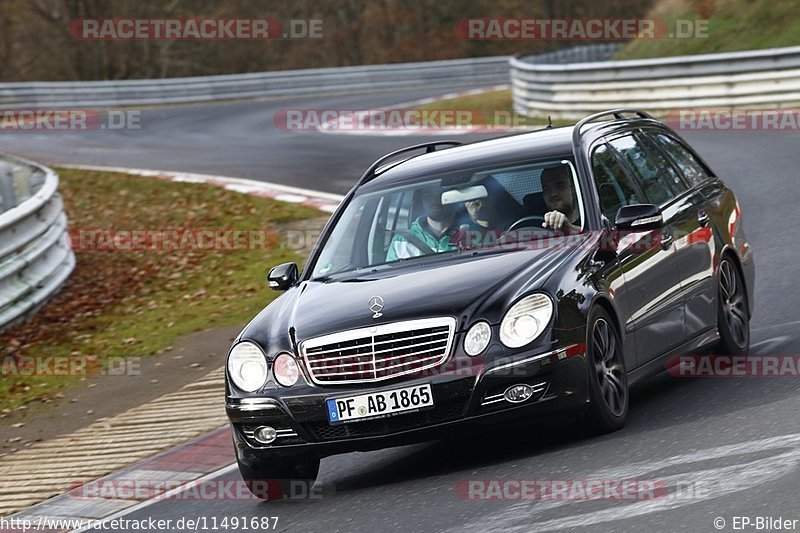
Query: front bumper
(474, 396)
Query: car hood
(463, 287)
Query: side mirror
(639, 217)
(281, 277)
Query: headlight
(526, 320)
(247, 366)
(477, 338)
(285, 370)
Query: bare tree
(38, 46)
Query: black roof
(541, 144)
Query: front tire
(733, 318)
(608, 380)
(270, 481)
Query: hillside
(733, 25)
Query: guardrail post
(7, 196)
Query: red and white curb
(45, 471)
(44, 479)
(182, 473)
(338, 126)
(285, 193)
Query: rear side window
(614, 186)
(657, 177)
(692, 169)
(394, 211)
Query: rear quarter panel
(729, 233)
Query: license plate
(379, 404)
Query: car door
(694, 241)
(652, 286)
(651, 271)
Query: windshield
(487, 209)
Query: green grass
(135, 303)
(493, 108)
(734, 25)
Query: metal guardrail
(754, 79)
(35, 253)
(577, 54)
(367, 78)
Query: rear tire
(733, 317)
(608, 381)
(270, 481)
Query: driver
(559, 197)
(429, 233)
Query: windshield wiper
(359, 272)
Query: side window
(613, 186)
(692, 169)
(333, 259)
(656, 175)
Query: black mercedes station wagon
(522, 276)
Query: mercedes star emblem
(376, 306)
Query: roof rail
(616, 113)
(429, 147)
(549, 126)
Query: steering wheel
(537, 218)
(535, 221)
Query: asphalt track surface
(737, 440)
(237, 139)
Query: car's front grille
(380, 352)
(444, 412)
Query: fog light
(265, 435)
(518, 393)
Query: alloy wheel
(608, 366)
(733, 302)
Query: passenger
(558, 192)
(485, 224)
(483, 213)
(430, 233)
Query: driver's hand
(555, 220)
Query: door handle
(666, 240)
(702, 218)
